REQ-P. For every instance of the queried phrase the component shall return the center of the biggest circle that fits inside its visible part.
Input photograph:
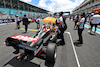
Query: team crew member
(8, 20)
(90, 22)
(77, 19)
(61, 27)
(38, 22)
(80, 29)
(17, 22)
(95, 20)
(25, 22)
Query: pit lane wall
(5, 20)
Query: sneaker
(63, 43)
(94, 33)
(79, 43)
(16, 52)
(77, 40)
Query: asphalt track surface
(68, 55)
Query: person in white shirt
(95, 20)
(8, 20)
(90, 22)
(38, 22)
(17, 22)
(76, 19)
(61, 27)
(80, 29)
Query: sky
(56, 5)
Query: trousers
(18, 25)
(26, 27)
(80, 34)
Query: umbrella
(49, 19)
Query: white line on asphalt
(74, 49)
(6, 23)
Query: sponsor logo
(25, 38)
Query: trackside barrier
(5, 20)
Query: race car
(44, 42)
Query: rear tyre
(51, 52)
(8, 41)
(55, 40)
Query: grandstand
(18, 7)
(87, 6)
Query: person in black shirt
(25, 22)
(81, 28)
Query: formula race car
(44, 42)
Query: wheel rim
(55, 56)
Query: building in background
(18, 7)
(88, 6)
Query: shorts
(94, 25)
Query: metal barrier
(5, 20)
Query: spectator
(95, 20)
(25, 22)
(77, 19)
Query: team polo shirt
(61, 19)
(96, 19)
(82, 23)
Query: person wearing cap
(81, 28)
(17, 22)
(95, 20)
(61, 26)
(25, 22)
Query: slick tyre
(8, 41)
(51, 52)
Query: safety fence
(6, 20)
